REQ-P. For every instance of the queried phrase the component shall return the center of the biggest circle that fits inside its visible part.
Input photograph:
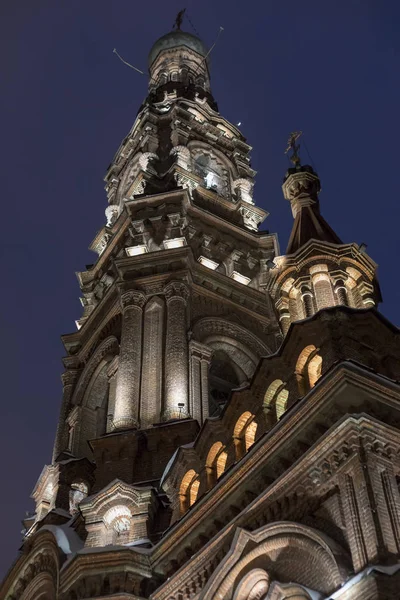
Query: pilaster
(176, 352)
(69, 379)
(200, 357)
(152, 371)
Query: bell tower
(229, 427)
(175, 313)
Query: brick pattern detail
(126, 412)
(176, 352)
(152, 370)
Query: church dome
(174, 39)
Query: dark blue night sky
(328, 68)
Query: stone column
(69, 379)
(126, 411)
(200, 356)
(307, 297)
(284, 315)
(176, 352)
(341, 293)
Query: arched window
(308, 368)
(224, 376)
(78, 491)
(188, 490)
(244, 434)
(215, 463)
(250, 434)
(118, 522)
(212, 172)
(275, 400)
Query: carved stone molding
(244, 189)
(69, 377)
(176, 289)
(145, 159)
(133, 299)
(111, 213)
(217, 326)
(251, 218)
(108, 346)
(183, 157)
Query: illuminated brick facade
(230, 422)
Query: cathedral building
(230, 420)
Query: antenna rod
(221, 29)
(127, 64)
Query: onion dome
(175, 39)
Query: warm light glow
(117, 512)
(240, 278)
(135, 250)
(210, 264)
(210, 180)
(174, 243)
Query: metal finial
(179, 19)
(294, 157)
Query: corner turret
(318, 271)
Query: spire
(179, 19)
(301, 187)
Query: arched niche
(37, 577)
(285, 549)
(41, 587)
(225, 374)
(236, 353)
(213, 166)
(92, 396)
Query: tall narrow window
(308, 368)
(275, 400)
(215, 463)
(188, 490)
(244, 434)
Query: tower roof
(174, 39)
(310, 224)
(301, 186)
